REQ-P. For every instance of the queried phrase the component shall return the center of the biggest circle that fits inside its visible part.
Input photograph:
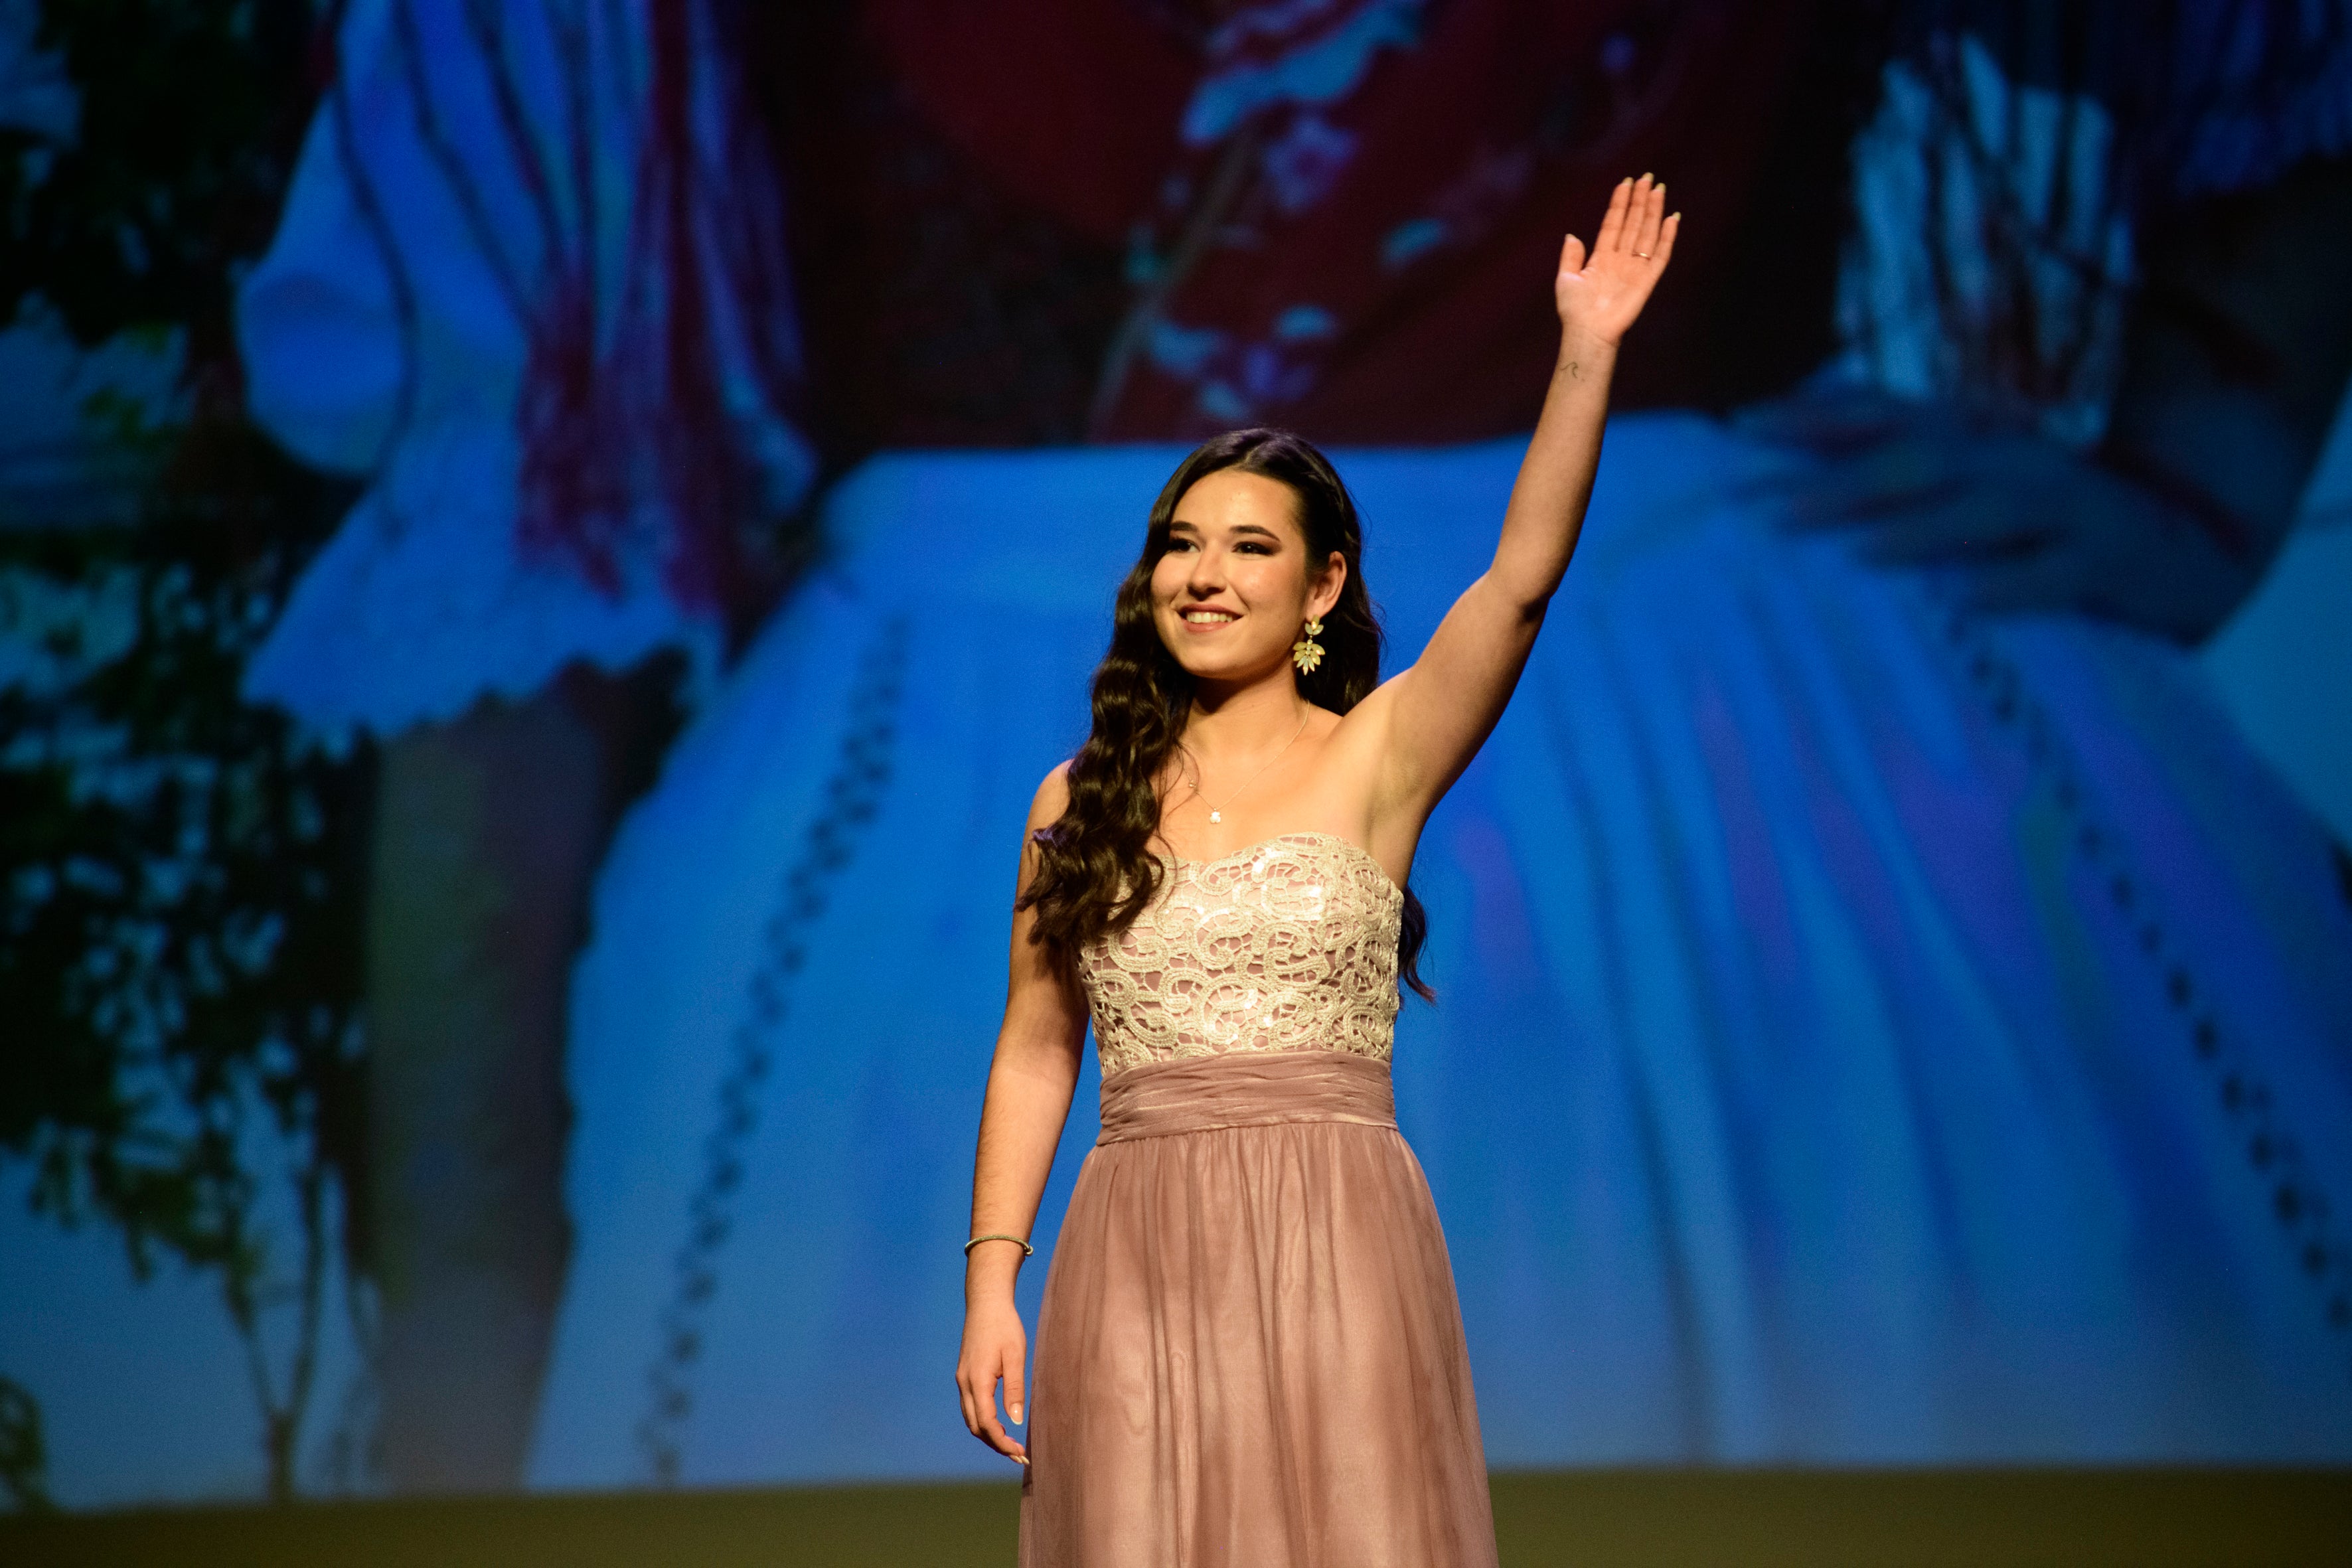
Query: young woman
(1249, 1348)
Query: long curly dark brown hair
(1096, 872)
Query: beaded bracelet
(1027, 1251)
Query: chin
(1233, 669)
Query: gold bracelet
(1027, 1251)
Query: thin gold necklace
(1217, 813)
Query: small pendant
(1216, 816)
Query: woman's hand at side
(995, 1351)
(1030, 1082)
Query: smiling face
(1236, 583)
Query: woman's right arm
(1029, 1087)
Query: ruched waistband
(1245, 1088)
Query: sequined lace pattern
(1287, 945)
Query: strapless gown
(1249, 1348)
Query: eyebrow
(1258, 528)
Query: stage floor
(1644, 1519)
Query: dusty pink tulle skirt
(1250, 1351)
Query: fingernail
(1016, 1414)
(1645, 173)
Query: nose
(1208, 574)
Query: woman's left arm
(1436, 714)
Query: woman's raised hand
(1599, 295)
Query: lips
(1207, 615)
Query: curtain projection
(545, 547)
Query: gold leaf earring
(1307, 653)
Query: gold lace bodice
(1287, 945)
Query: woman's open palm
(1599, 295)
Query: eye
(1252, 547)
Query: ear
(1323, 593)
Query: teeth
(1200, 617)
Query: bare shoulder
(1052, 799)
(1365, 739)
(1368, 721)
(1351, 740)
(1046, 809)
